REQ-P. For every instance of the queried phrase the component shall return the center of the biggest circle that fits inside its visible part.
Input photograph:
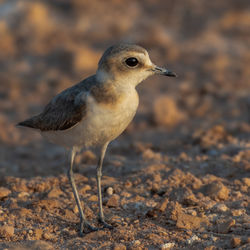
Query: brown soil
(178, 178)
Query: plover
(95, 111)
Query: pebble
(23, 194)
(136, 243)
(216, 190)
(187, 221)
(163, 205)
(128, 184)
(84, 189)
(167, 245)
(220, 208)
(6, 231)
(93, 198)
(110, 191)
(38, 233)
(113, 201)
(4, 192)
(148, 154)
(235, 242)
(225, 226)
(55, 192)
(238, 212)
(126, 194)
(192, 212)
(246, 181)
(193, 239)
(118, 246)
(210, 248)
(48, 236)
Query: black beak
(164, 72)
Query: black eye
(131, 61)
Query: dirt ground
(178, 177)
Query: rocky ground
(178, 178)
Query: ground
(178, 177)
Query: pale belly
(102, 124)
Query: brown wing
(64, 111)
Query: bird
(96, 111)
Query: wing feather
(64, 111)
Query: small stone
(126, 194)
(163, 205)
(187, 221)
(75, 209)
(116, 220)
(6, 231)
(48, 236)
(136, 243)
(225, 226)
(110, 191)
(119, 247)
(23, 194)
(149, 154)
(220, 208)
(238, 212)
(210, 248)
(216, 190)
(128, 184)
(55, 192)
(24, 212)
(167, 245)
(246, 181)
(38, 233)
(93, 198)
(192, 212)
(4, 192)
(235, 242)
(184, 157)
(173, 210)
(84, 189)
(193, 239)
(113, 201)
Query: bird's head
(127, 64)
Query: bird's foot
(85, 227)
(105, 224)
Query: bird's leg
(83, 222)
(98, 177)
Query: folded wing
(63, 112)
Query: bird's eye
(131, 61)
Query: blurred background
(182, 165)
(47, 46)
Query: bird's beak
(162, 71)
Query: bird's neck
(110, 91)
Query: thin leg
(98, 177)
(83, 221)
